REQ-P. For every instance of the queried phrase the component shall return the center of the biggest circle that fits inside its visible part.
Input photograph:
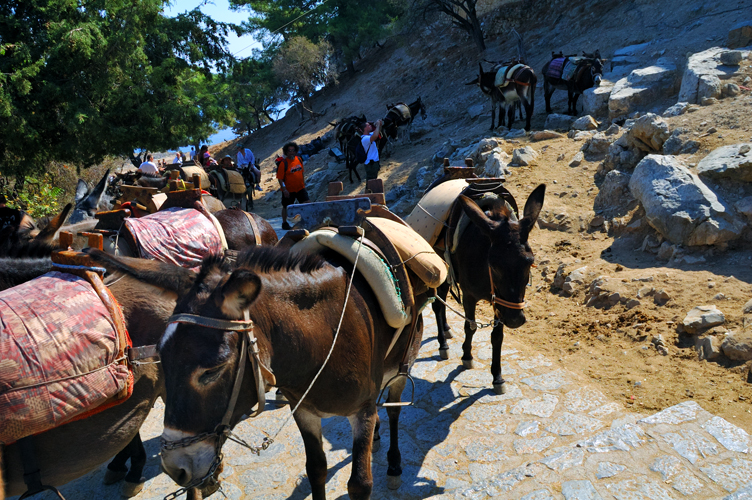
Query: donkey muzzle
(513, 318)
(184, 465)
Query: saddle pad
(555, 67)
(570, 69)
(60, 355)
(191, 171)
(376, 272)
(430, 214)
(403, 110)
(235, 181)
(180, 236)
(505, 73)
(414, 250)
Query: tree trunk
(351, 67)
(478, 33)
(266, 113)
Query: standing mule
(345, 133)
(491, 262)
(520, 86)
(396, 117)
(292, 305)
(588, 74)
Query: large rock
(705, 63)
(445, 151)
(677, 109)
(738, 346)
(598, 145)
(496, 164)
(544, 135)
(679, 205)
(740, 35)
(643, 87)
(614, 195)
(701, 318)
(586, 122)
(731, 162)
(709, 87)
(559, 122)
(595, 100)
(426, 175)
(732, 57)
(628, 56)
(648, 133)
(679, 143)
(744, 207)
(524, 156)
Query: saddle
(556, 67)
(64, 348)
(507, 74)
(402, 111)
(430, 214)
(231, 181)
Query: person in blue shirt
(246, 161)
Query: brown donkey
(491, 262)
(295, 303)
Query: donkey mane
(268, 259)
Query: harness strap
(238, 380)
(255, 228)
(217, 324)
(497, 300)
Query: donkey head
(596, 67)
(88, 201)
(509, 256)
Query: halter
(497, 300)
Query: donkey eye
(210, 375)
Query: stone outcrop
(740, 35)
(702, 78)
(643, 87)
(595, 100)
(679, 143)
(614, 195)
(728, 162)
(645, 135)
(701, 318)
(679, 205)
(738, 346)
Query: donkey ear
(82, 189)
(479, 218)
(532, 209)
(238, 293)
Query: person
(246, 161)
(10, 218)
(226, 162)
(178, 159)
(149, 167)
(291, 179)
(370, 135)
(193, 152)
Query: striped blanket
(555, 67)
(60, 355)
(180, 236)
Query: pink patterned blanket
(180, 236)
(60, 355)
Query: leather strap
(496, 300)
(216, 324)
(136, 354)
(238, 382)
(255, 228)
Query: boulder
(732, 57)
(487, 144)
(496, 164)
(559, 122)
(629, 55)
(648, 133)
(595, 100)
(728, 162)
(475, 111)
(515, 133)
(586, 122)
(740, 35)
(577, 159)
(708, 347)
(614, 195)
(598, 145)
(709, 87)
(705, 63)
(738, 346)
(679, 205)
(524, 156)
(575, 278)
(679, 143)
(744, 207)
(642, 87)
(731, 90)
(543, 135)
(677, 109)
(701, 318)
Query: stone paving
(551, 436)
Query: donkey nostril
(183, 477)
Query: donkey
(94, 440)
(89, 201)
(588, 74)
(344, 133)
(294, 302)
(520, 88)
(351, 162)
(394, 118)
(492, 262)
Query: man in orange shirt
(291, 180)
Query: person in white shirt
(149, 167)
(370, 135)
(246, 160)
(193, 153)
(178, 159)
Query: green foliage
(82, 80)
(303, 65)
(37, 197)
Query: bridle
(498, 300)
(223, 430)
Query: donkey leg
(361, 481)
(570, 100)
(134, 480)
(497, 339)
(310, 430)
(468, 305)
(116, 469)
(393, 456)
(493, 114)
(574, 103)
(439, 310)
(510, 113)
(524, 102)
(548, 91)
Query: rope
(331, 349)
(431, 215)
(410, 258)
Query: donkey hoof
(376, 446)
(500, 388)
(131, 489)
(393, 482)
(467, 363)
(444, 353)
(114, 476)
(448, 334)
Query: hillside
(612, 344)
